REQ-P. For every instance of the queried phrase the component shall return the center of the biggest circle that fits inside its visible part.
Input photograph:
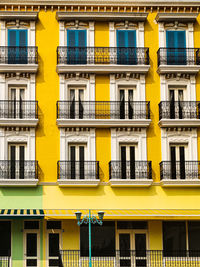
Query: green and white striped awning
(21, 213)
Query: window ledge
(18, 182)
(20, 15)
(103, 68)
(187, 69)
(19, 122)
(179, 123)
(131, 183)
(78, 183)
(182, 17)
(100, 123)
(27, 68)
(180, 183)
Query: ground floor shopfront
(44, 241)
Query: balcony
(130, 174)
(78, 173)
(5, 261)
(180, 173)
(179, 114)
(18, 173)
(18, 59)
(18, 113)
(102, 59)
(103, 113)
(136, 258)
(182, 60)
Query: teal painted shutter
(81, 42)
(75, 40)
(71, 38)
(132, 53)
(22, 43)
(121, 38)
(12, 37)
(131, 37)
(71, 46)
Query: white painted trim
(180, 183)
(27, 68)
(187, 69)
(78, 183)
(135, 137)
(179, 123)
(130, 183)
(19, 122)
(100, 123)
(179, 137)
(18, 182)
(103, 69)
(52, 231)
(35, 231)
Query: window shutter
(121, 38)
(170, 39)
(22, 37)
(180, 39)
(71, 38)
(131, 39)
(81, 38)
(12, 36)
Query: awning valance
(21, 213)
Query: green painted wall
(17, 243)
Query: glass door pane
(140, 250)
(54, 249)
(31, 249)
(124, 249)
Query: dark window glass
(53, 245)
(5, 238)
(103, 239)
(194, 237)
(132, 225)
(31, 244)
(174, 238)
(53, 224)
(31, 225)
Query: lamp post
(89, 220)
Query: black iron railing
(130, 170)
(14, 109)
(178, 56)
(78, 170)
(179, 110)
(103, 110)
(183, 170)
(18, 55)
(136, 258)
(18, 169)
(5, 261)
(103, 55)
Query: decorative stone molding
(18, 16)
(180, 17)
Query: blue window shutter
(71, 38)
(180, 39)
(12, 37)
(131, 38)
(121, 36)
(22, 37)
(81, 38)
(170, 39)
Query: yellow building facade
(99, 111)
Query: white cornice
(187, 69)
(20, 15)
(18, 68)
(179, 123)
(183, 17)
(18, 122)
(102, 16)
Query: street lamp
(89, 220)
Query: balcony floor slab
(18, 122)
(78, 183)
(180, 183)
(130, 183)
(187, 69)
(18, 182)
(28, 68)
(179, 123)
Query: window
(77, 158)
(177, 157)
(103, 240)
(76, 96)
(5, 234)
(17, 158)
(194, 236)
(31, 225)
(132, 225)
(176, 44)
(126, 103)
(16, 105)
(76, 46)
(126, 47)
(53, 224)
(127, 156)
(17, 46)
(174, 238)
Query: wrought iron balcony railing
(103, 110)
(18, 55)
(180, 170)
(13, 109)
(130, 170)
(5, 261)
(78, 170)
(103, 55)
(179, 110)
(137, 258)
(178, 56)
(18, 169)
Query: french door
(31, 248)
(127, 157)
(178, 153)
(17, 46)
(76, 47)
(17, 158)
(16, 104)
(77, 158)
(76, 103)
(176, 98)
(126, 103)
(53, 247)
(131, 247)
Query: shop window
(5, 238)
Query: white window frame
(75, 137)
(128, 137)
(179, 137)
(77, 145)
(138, 84)
(52, 231)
